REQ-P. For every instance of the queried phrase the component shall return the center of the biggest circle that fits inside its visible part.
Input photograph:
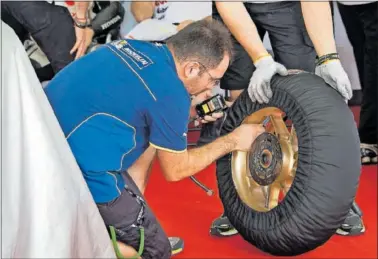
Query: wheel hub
(268, 169)
(265, 159)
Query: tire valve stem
(265, 122)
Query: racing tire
(327, 174)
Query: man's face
(197, 78)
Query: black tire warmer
(328, 170)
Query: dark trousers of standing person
(291, 46)
(361, 24)
(51, 26)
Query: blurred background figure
(51, 27)
(56, 33)
(360, 19)
(159, 20)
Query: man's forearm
(142, 10)
(319, 25)
(238, 21)
(199, 158)
(82, 10)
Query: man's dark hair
(205, 41)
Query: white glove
(152, 30)
(259, 85)
(333, 74)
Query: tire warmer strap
(115, 245)
(138, 225)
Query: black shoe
(353, 225)
(369, 153)
(222, 227)
(177, 245)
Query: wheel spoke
(280, 128)
(244, 184)
(261, 189)
(284, 137)
(260, 198)
(274, 193)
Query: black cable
(202, 186)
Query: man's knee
(127, 251)
(163, 245)
(156, 242)
(123, 214)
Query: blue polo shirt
(113, 103)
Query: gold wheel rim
(258, 197)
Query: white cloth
(47, 209)
(176, 12)
(152, 30)
(351, 2)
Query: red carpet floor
(185, 210)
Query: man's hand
(83, 40)
(246, 134)
(199, 99)
(89, 33)
(259, 85)
(319, 24)
(333, 74)
(80, 43)
(82, 34)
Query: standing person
(302, 37)
(135, 106)
(63, 36)
(248, 23)
(159, 20)
(361, 23)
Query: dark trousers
(49, 25)
(361, 24)
(127, 213)
(290, 41)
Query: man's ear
(192, 69)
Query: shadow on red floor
(185, 210)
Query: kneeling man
(129, 102)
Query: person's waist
(105, 187)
